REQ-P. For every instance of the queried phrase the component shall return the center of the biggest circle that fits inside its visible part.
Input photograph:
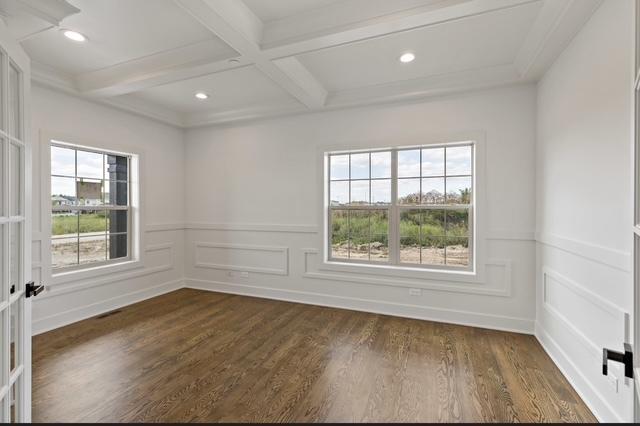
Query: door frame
(636, 209)
(23, 381)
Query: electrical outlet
(415, 292)
(244, 274)
(230, 274)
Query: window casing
(91, 217)
(402, 207)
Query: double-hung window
(403, 207)
(90, 207)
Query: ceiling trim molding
(425, 87)
(48, 77)
(225, 19)
(51, 11)
(403, 91)
(557, 24)
(441, 12)
(241, 114)
(241, 30)
(194, 60)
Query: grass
(91, 222)
(416, 227)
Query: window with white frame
(90, 207)
(404, 207)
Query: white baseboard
(589, 394)
(61, 319)
(473, 319)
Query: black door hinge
(625, 358)
(12, 289)
(33, 290)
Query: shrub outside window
(404, 207)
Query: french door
(15, 234)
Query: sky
(63, 163)
(411, 172)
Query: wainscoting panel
(593, 320)
(242, 257)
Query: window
(90, 207)
(404, 207)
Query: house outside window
(90, 207)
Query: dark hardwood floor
(199, 356)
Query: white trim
(398, 278)
(284, 251)
(61, 319)
(478, 137)
(613, 258)
(251, 227)
(89, 280)
(580, 383)
(136, 207)
(450, 316)
(47, 77)
(495, 235)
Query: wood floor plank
(200, 356)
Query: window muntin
(90, 207)
(404, 207)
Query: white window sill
(63, 277)
(463, 275)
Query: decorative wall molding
(582, 385)
(70, 316)
(253, 227)
(582, 381)
(282, 270)
(451, 316)
(470, 287)
(58, 289)
(620, 317)
(164, 227)
(603, 255)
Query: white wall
(252, 195)
(161, 151)
(584, 206)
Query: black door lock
(33, 290)
(625, 358)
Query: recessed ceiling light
(74, 35)
(202, 96)
(407, 57)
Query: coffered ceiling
(257, 58)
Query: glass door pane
(15, 104)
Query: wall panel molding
(613, 258)
(580, 383)
(253, 227)
(85, 283)
(282, 269)
(469, 287)
(617, 314)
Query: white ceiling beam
(234, 23)
(433, 14)
(205, 57)
(51, 11)
(558, 22)
(46, 76)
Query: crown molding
(46, 76)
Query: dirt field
(66, 254)
(457, 255)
